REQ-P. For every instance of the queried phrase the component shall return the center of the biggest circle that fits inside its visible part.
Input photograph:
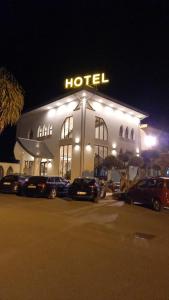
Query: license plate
(6, 183)
(81, 193)
(31, 186)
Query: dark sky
(42, 42)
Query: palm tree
(11, 99)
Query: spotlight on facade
(114, 152)
(137, 152)
(49, 164)
(77, 140)
(88, 148)
(150, 141)
(51, 113)
(114, 146)
(77, 147)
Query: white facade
(76, 129)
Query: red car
(151, 191)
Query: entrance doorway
(43, 168)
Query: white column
(36, 166)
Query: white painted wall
(112, 117)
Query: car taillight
(42, 185)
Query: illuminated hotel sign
(87, 80)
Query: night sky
(42, 42)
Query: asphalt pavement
(71, 250)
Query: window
(67, 128)
(151, 183)
(39, 134)
(142, 184)
(1, 172)
(43, 168)
(127, 133)
(50, 127)
(132, 134)
(45, 130)
(65, 160)
(101, 152)
(121, 131)
(101, 131)
(9, 171)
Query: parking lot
(61, 249)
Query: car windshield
(84, 180)
(37, 179)
(10, 178)
(58, 179)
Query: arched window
(39, 133)
(9, 171)
(132, 134)
(50, 127)
(1, 172)
(45, 130)
(67, 128)
(101, 131)
(121, 131)
(127, 133)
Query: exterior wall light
(88, 147)
(114, 146)
(51, 113)
(114, 151)
(77, 140)
(137, 152)
(49, 164)
(77, 147)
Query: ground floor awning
(37, 149)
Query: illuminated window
(9, 171)
(1, 172)
(65, 160)
(101, 152)
(45, 130)
(67, 128)
(50, 127)
(40, 132)
(101, 131)
(127, 133)
(121, 131)
(132, 134)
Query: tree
(11, 99)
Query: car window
(37, 179)
(151, 183)
(160, 184)
(142, 184)
(10, 178)
(167, 184)
(58, 179)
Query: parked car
(114, 186)
(150, 191)
(42, 186)
(86, 188)
(11, 183)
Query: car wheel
(156, 204)
(52, 194)
(129, 200)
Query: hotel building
(71, 135)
